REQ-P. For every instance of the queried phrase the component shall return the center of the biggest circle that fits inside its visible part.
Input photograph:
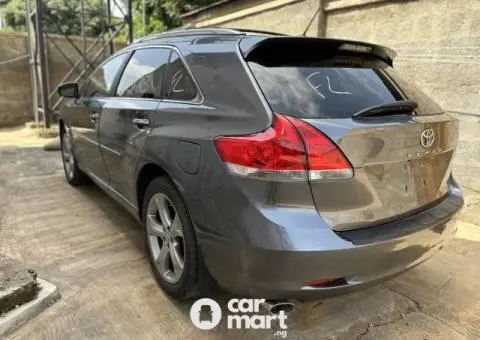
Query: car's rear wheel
(74, 175)
(172, 247)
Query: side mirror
(69, 90)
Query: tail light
(289, 150)
(325, 160)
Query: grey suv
(273, 166)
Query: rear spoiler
(256, 48)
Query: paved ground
(22, 136)
(94, 252)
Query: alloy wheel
(165, 238)
(67, 153)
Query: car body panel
(301, 250)
(266, 238)
(122, 141)
(84, 129)
(394, 173)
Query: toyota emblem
(427, 138)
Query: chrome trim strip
(102, 183)
(109, 149)
(99, 145)
(87, 139)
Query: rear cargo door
(401, 160)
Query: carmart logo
(243, 314)
(205, 314)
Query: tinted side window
(144, 73)
(101, 80)
(178, 84)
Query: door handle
(94, 117)
(141, 123)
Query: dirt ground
(94, 252)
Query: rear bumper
(362, 258)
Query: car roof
(258, 41)
(206, 31)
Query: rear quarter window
(179, 86)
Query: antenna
(313, 18)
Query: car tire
(73, 174)
(194, 278)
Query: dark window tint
(328, 92)
(101, 80)
(144, 73)
(179, 85)
(426, 105)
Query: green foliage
(14, 15)
(63, 16)
(163, 15)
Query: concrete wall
(15, 97)
(292, 17)
(284, 16)
(438, 41)
(15, 88)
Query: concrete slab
(47, 295)
(416, 325)
(96, 254)
(17, 284)
(448, 285)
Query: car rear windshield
(337, 91)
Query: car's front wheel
(172, 247)
(74, 175)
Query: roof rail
(208, 30)
(247, 30)
(189, 31)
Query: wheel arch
(147, 173)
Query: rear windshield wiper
(402, 106)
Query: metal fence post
(42, 62)
(31, 61)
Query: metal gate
(45, 98)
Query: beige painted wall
(14, 81)
(438, 44)
(283, 16)
(292, 19)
